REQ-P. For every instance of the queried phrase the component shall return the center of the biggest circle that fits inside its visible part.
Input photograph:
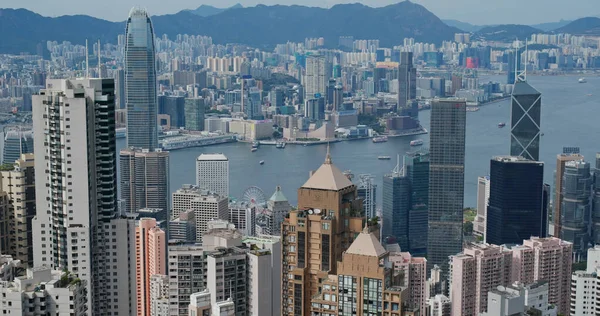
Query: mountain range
(468, 27)
(264, 26)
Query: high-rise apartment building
(525, 115)
(144, 179)
(159, 295)
(212, 173)
(19, 184)
(561, 160)
(76, 171)
(576, 206)
(186, 276)
(478, 269)
(407, 83)
(483, 197)
(324, 225)
(226, 277)
(315, 77)
(584, 285)
(517, 208)
(151, 259)
(140, 81)
(596, 207)
(414, 271)
(194, 114)
(446, 180)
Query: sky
(472, 11)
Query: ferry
(253, 149)
(381, 139)
(582, 80)
(416, 142)
(501, 124)
(280, 145)
(262, 162)
(384, 157)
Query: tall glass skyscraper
(525, 125)
(407, 85)
(596, 208)
(516, 209)
(140, 81)
(446, 181)
(576, 205)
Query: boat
(255, 144)
(501, 124)
(253, 149)
(416, 142)
(280, 145)
(381, 139)
(384, 157)
(262, 162)
(582, 80)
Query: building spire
(328, 156)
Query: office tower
(367, 191)
(119, 75)
(144, 179)
(314, 109)
(19, 184)
(545, 259)
(43, 291)
(279, 206)
(324, 225)
(245, 217)
(181, 199)
(561, 160)
(525, 114)
(207, 207)
(516, 209)
(140, 81)
(407, 82)
(596, 207)
(417, 169)
(446, 181)
(483, 197)
(396, 205)
(338, 98)
(75, 130)
(150, 245)
(576, 206)
(183, 227)
(315, 78)
(186, 276)
(194, 114)
(414, 271)
(511, 68)
(277, 97)
(212, 173)
(174, 107)
(478, 269)
(159, 295)
(364, 283)
(17, 141)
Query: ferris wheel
(254, 196)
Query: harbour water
(570, 117)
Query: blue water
(569, 118)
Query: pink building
(546, 259)
(150, 247)
(477, 270)
(415, 277)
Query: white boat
(262, 162)
(416, 142)
(384, 157)
(253, 149)
(582, 80)
(381, 139)
(280, 145)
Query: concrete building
(70, 115)
(439, 305)
(226, 277)
(328, 217)
(43, 291)
(159, 295)
(561, 160)
(186, 276)
(584, 285)
(183, 227)
(414, 271)
(144, 179)
(446, 181)
(208, 207)
(212, 173)
(315, 77)
(252, 130)
(479, 269)
(150, 245)
(519, 299)
(264, 275)
(181, 199)
(483, 197)
(244, 216)
(200, 304)
(279, 207)
(596, 208)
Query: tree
(468, 228)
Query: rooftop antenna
(99, 60)
(87, 61)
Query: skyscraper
(144, 179)
(367, 191)
(446, 181)
(151, 259)
(194, 114)
(315, 79)
(596, 207)
(516, 209)
(483, 197)
(561, 160)
(17, 141)
(407, 83)
(525, 125)
(75, 226)
(212, 173)
(140, 81)
(417, 169)
(119, 75)
(324, 225)
(576, 206)
(511, 69)
(396, 205)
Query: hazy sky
(472, 11)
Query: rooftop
(524, 88)
(328, 177)
(366, 244)
(278, 196)
(212, 157)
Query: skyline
(471, 10)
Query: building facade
(186, 276)
(561, 160)
(407, 83)
(576, 206)
(526, 107)
(212, 173)
(315, 78)
(194, 114)
(483, 197)
(151, 259)
(144, 179)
